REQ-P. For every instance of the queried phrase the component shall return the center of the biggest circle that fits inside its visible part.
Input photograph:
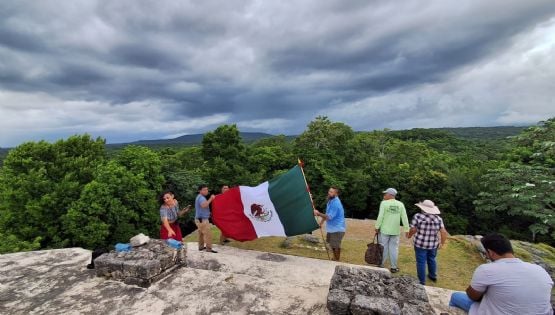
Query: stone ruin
(363, 291)
(141, 266)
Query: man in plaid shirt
(427, 226)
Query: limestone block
(142, 265)
(421, 309)
(364, 305)
(373, 291)
(338, 302)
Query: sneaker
(394, 270)
(201, 248)
(433, 279)
(210, 250)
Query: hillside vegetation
(485, 133)
(74, 192)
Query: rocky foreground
(233, 281)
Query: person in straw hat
(427, 226)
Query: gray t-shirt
(200, 212)
(512, 286)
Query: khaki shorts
(334, 239)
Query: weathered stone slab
(57, 282)
(142, 265)
(365, 305)
(338, 302)
(370, 291)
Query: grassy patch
(521, 253)
(549, 252)
(456, 262)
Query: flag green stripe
(291, 200)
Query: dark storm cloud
(391, 62)
(211, 62)
(76, 75)
(20, 41)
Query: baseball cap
(390, 191)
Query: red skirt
(175, 227)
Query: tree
(270, 160)
(143, 162)
(322, 148)
(225, 158)
(184, 183)
(536, 145)
(38, 183)
(224, 142)
(120, 202)
(9, 243)
(520, 197)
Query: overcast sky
(130, 70)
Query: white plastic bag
(139, 240)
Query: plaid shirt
(427, 230)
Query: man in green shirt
(392, 212)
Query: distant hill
(469, 133)
(489, 133)
(194, 139)
(484, 133)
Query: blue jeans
(423, 257)
(461, 300)
(390, 245)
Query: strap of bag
(376, 240)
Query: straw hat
(428, 206)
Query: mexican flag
(278, 207)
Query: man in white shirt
(506, 286)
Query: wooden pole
(314, 208)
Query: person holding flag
(202, 216)
(335, 222)
(223, 238)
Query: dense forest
(75, 192)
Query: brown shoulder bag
(374, 252)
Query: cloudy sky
(130, 70)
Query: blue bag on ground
(174, 244)
(121, 247)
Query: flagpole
(314, 208)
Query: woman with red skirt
(169, 212)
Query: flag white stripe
(265, 225)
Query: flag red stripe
(229, 217)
